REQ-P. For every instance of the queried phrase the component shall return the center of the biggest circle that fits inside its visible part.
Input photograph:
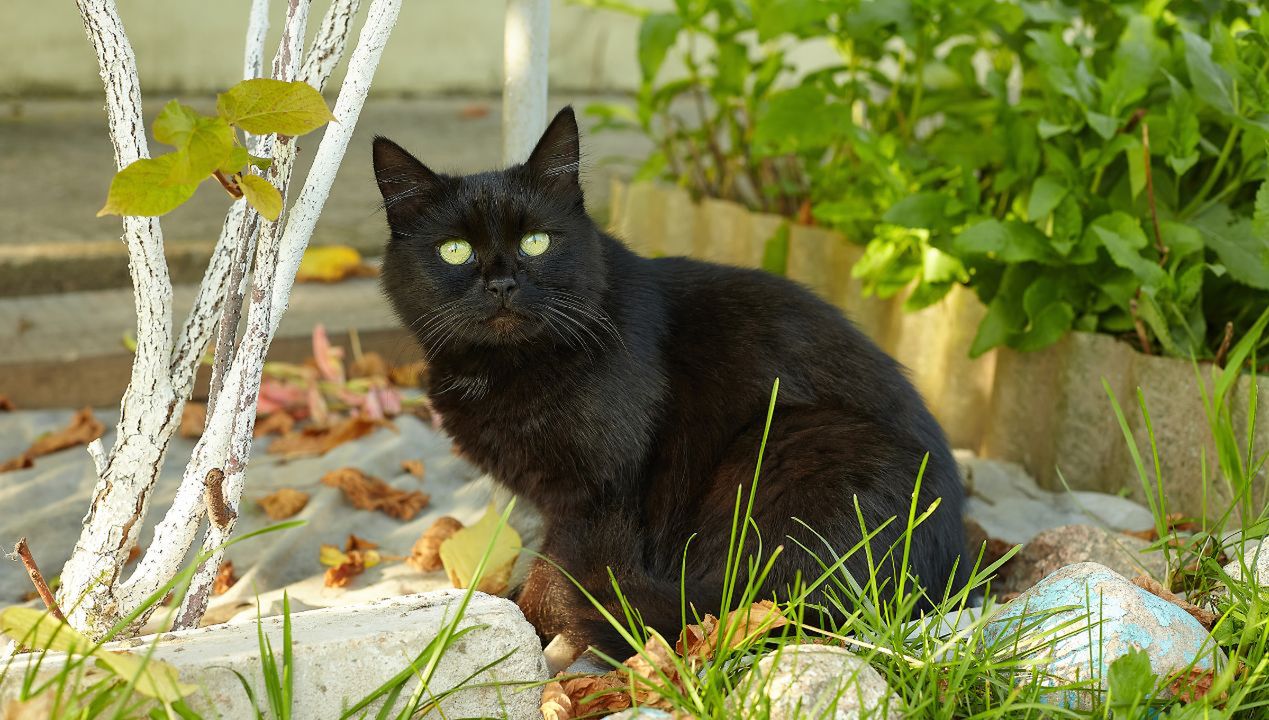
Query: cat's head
(492, 259)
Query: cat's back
(741, 326)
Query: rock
(1009, 506)
(1256, 559)
(342, 654)
(1071, 544)
(641, 713)
(818, 681)
(1111, 617)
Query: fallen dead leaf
(225, 578)
(365, 492)
(320, 440)
(83, 429)
(414, 467)
(275, 423)
(461, 553)
(596, 695)
(408, 376)
(344, 565)
(354, 543)
(133, 554)
(556, 704)
(193, 420)
(1193, 685)
(1206, 617)
(6, 405)
(283, 503)
(369, 365)
(331, 263)
(425, 556)
(740, 627)
(474, 111)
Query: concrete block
(342, 654)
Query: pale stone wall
(185, 46)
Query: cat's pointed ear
(556, 160)
(403, 180)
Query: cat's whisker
(578, 324)
(562, 328)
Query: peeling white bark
(163, 373)
(526, 46)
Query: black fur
(625, 397)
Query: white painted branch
(526, 46)
(146, 412)
(178, 530)
(328, 47)
(271, 292)
(257, 31)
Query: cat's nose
(501, 287)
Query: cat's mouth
(505, 320)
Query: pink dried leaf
(327, 357)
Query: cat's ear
(556, 159)
(403, 180)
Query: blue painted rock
(813, 681)
(1085, 616)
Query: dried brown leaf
(740, 626)
(369, 365)
(556, 704)
(83, 429)
(407, 376)
(365, 492)
(354, 543)
(133, 554)
(225, 578)
(277, 423)
(598, 694)
(283, 503)
(425, 556)
(6, 405)
(193, 420)
(1193, 685)
(1206, 617)
(341, 575)
(414, 467)
(320, 440)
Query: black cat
(625, 397)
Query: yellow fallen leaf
(332, 556)
(462, 551)
(38, 630)
(328, 263)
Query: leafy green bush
(1081, 165)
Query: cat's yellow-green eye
(535, 244)
(455, 251)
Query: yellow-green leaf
(150, 677)
(264, 106)
(202, 142)
(38, 630)
(462, 551)
(262, 195)
(235, 161)
(143, 188)
(331, 556)
(328, 263)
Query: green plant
(207, 146)
(1079, 164)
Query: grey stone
(1085, 616)
(342, 654)
(1256, 559)
(1006, 502)
(1071, 544)
(813, 681)
(641, 713)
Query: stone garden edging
(344, 653)
(1045, 410)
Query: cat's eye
(455, 251)
(535, 244)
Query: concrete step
(68, 350)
